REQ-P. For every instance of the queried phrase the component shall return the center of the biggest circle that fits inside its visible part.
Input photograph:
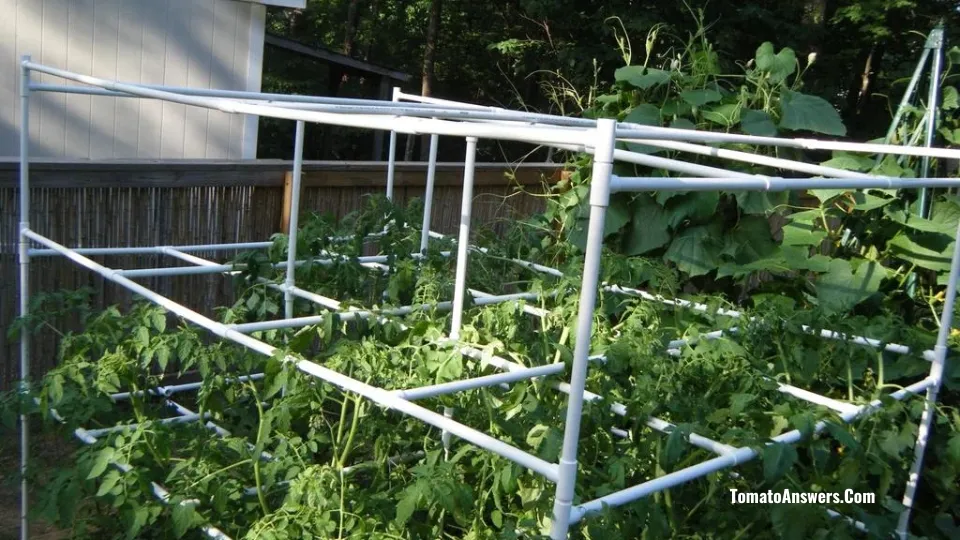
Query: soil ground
(47, 450)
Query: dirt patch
(47, 450)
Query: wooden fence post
(287, 196)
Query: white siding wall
(197, 43)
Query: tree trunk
(429, 58)
(374, 11)
(350, 32)
(859, 92)
(814, 21)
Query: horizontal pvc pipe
(401, 124)
(126, 427)
(740, 456)
(169, 390)
(265, 98)
(657, 162)
(636, 131)
(816, 399)
(452, 387)
(345, 316)
(828, 334)
(377, 395)
(176, 271)
(535, 311)
(755, 159)
(621, 183)
(631, 131)
(155, 250)
(385, 398)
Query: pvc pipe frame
(558, 134)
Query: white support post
(463, 249)
(599, 201)
(930, 404)
(24, 260)
(392, 158)
(428, 193)
(935, 46)
(294, 218)
(463, 242)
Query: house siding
(196, 43)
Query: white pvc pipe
(755, 159)
(466, 205)
(23, 257)
(392, 159)
(428, 193)
(400, 124)
(169, 390)
(155, 250)
(605, 137)
(294, 213)
(453, 387)
(127, 427)
(937, 368)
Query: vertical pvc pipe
(24, 260)
(935, 42)
(294, 217)
(463, 241)
(929, 406)
(599, 200)
(428, 193)
(392, 158)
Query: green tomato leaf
(109, 481)
(802, 112)
(675, 445)
(408, 504)
(101, 462)
(159, 321)
(184, 518)
(778, 459)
